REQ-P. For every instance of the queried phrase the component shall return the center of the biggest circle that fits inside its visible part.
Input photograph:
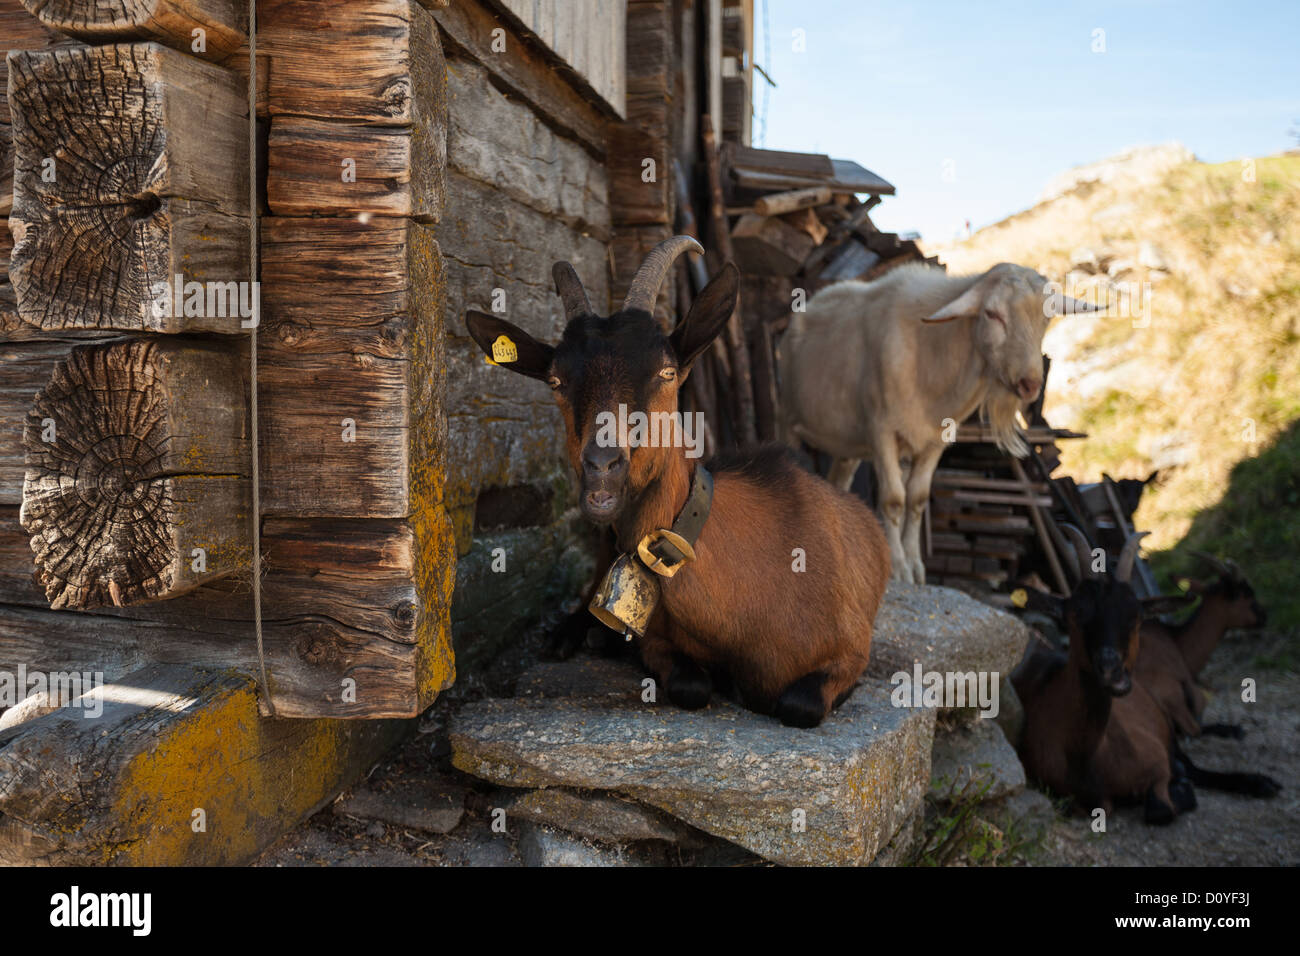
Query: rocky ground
(1225, 829)
(416, 808)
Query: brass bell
(627, 597)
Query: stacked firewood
(793, 223)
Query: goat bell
(626, 597)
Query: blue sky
(1004, 95)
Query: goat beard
(998, 411)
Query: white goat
(875, 369)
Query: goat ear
(1165, 604)
(963, 307)
(509, 346)
(709, 312)
(1043, 603)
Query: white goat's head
(1011, 307)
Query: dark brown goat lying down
(788, 571)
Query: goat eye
(668, 373)
(553, 382)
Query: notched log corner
(137, 472)
(130, 168)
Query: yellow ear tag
(1020, 597)
(503, 350)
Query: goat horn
(643, 291)
(1124, 570)
(1220, 566)
(1082, 551)
(570, 289)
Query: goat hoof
(802, 704)
(689, 685)
(1261, 785)
(1183, 795)
(1158, 813)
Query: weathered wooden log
(169, 742)
(211, 29)
(25, 369)
(778, 203)
(19, 30)
(130, 169)
(742, 387)
(321, 168)
(769, 246)
(468, 28)
(328, 653)
(136, 487)
(358, 99)
(807, 220)
(351, 366)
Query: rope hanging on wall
(252, 350)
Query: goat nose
(601, 459)
(1028, 388)
(1109, 659)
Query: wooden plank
(466, 30)
(137, 472)
(584, 35)
(370, 62)
(328, 653)
(210, 29)
(792, 200)
(850, 262)
(123, 789)
(774, 161)
(352, 335)
(769, 246)
(323, 168)
(19, 30)
(151, 182)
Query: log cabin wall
(359, 553)
(418, 159)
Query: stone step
(836, 794)
(944, 631)
(975, 754)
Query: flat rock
(976, 751)
(417, 804)
(944, 631)
(594, 816)
(835, 794)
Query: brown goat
(789, 572)
(1092, 730)
(1173, 655)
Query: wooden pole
(742, 386)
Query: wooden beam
(211, 29)
(328, 654)
(351, 368)
(791, 201)
(131, 167)
(467, 30)
(766, 245)
(178, 769)
(137, 484)
(322, 168)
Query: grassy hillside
(1209, 390)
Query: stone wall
(521, 194)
